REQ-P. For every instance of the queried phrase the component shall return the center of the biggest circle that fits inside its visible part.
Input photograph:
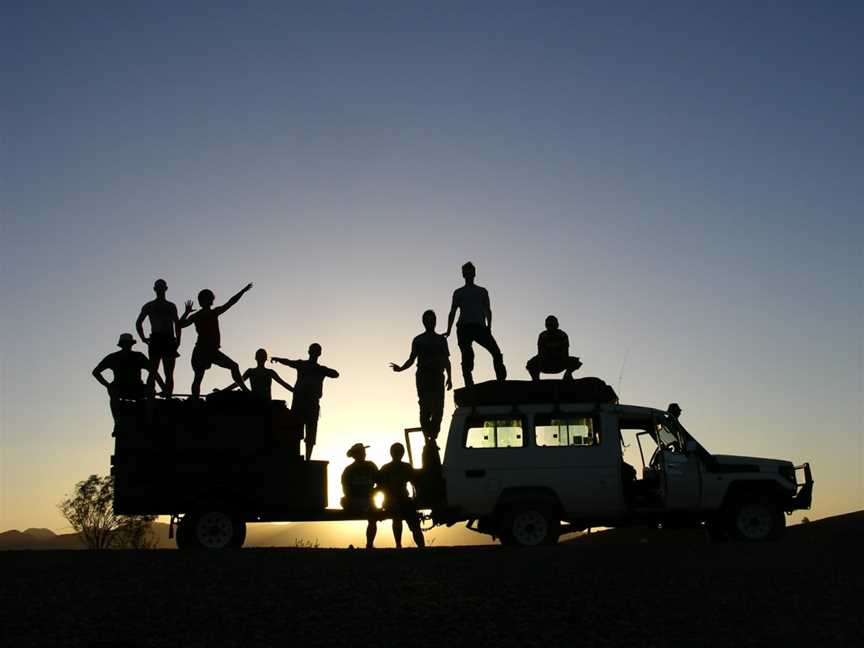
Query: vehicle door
(488, 459)
(681, 475)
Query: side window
(494, 433)
(565, 430)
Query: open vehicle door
(682, 477)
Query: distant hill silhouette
(840, 529)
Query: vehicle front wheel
(530, 527)
(756, 521)
(211, 528)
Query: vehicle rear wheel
(211, 528)
(756, 520)
(530, 527)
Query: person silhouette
(358, 485)
(307, 392)
(393, 481)
(164, 337)
(260, 378)
(126, 365)
(553, 353)
(474, 325)
(207, 347)
(433, 362)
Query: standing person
(126, 365)
(307, 392)
(164, 337)
(433, 362)
(393, 481)
(261, 378)
(474, 325)
(207, 347)
(358, 484)
(553, 353)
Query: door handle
(475, 473)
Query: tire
(211, 528)
(530, 526)
(756, 520)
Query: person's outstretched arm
(451, 315)
(139, 325)
(410, 361)
(280, 381)
(185, 320)
(224, 307)
(294, 364)
(330, 373)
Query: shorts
(203, 358)
(163, 345)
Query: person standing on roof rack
(553, 353)
(207, 348)
(164, 337)
(474, 325)
(433, 362)
(307, 392)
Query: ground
(636, 589)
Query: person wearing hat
(164, 337)
(126, 365)
(553, 353)
(673, 410)
(358, 484)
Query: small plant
(303, 543)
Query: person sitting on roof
(358, 484)
(126, 365)
(261, 378)
(553, 353)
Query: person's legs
(154, 355)
(572, 365)
(464, 340)
(371, 532)
(221, 360)
(168, 368)
(416, 531)
(483, 337)
(311, 431)
(397, 532)
(430, 394)
(196, 382)
(533, 368)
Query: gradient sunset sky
(680, 183)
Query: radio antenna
(621, 373)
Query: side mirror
(691, 446)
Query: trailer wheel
(756, 520)
(529, 526)
(211, 528)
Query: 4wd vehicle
(527, 461)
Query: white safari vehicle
(526, 462)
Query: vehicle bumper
(804, 497)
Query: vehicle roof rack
(530, 392)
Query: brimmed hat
(126, 338)
(354, 449)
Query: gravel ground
(804, 590)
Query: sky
(680, 183)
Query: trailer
(216, 464)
